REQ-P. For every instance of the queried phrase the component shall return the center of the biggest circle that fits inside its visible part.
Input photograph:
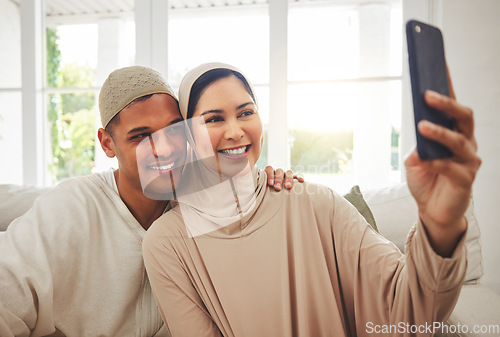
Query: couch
(394, 211)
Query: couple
(235, 258)
(72, 265)
(298, 264)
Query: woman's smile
(235, 152)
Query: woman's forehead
(225, 89)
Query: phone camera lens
(418, 29)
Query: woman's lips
(235, 152)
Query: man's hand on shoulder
(279, 178)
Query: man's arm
(27, 254)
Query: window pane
(329, 40)
(80, 57)
(321, 120)
(239, 37)
(10, 40)
(344, 94)
(72, 56)
(345, 133)
(236, 36)
(11, 170)
(323, 42)
(72, 121)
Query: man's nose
(161, 144)
(234, 130)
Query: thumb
(412, 159)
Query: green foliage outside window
(327, 152)
(71, 116)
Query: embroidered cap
(124, 85)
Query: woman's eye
(247, 113)
(214, 119)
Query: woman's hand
(443, 187)
(278, 178)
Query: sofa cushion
(15, 200)
(391, 211)
(355, 197)
(476, 314)
(396, 212)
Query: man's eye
(140, 136)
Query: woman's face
(228, 116)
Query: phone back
(427, 72)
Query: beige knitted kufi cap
(127, 84)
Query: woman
(251, 262)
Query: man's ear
(107, 142)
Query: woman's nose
(233, 130)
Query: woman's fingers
(463, 116)
(462, 147)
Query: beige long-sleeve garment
(72, 266)
(304, 263)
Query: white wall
(471, 31)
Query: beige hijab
(209, 200)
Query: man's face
(150, 145)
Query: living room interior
(341, 60)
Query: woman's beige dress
(302, 263)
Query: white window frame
(151, 25)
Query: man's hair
(113, 123)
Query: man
(72, 265)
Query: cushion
(396, 212)
(476, 306)
(355, 197)
(15, 200)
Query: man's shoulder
(168, 223)
(76, 193)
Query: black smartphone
(427, 72)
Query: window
(343, 78)
(235, 35)
(72, 91)
(344, 92)
(10, 95)
(71, 99)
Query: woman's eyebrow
(213, 111)
(244, 105)
(219, 111)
